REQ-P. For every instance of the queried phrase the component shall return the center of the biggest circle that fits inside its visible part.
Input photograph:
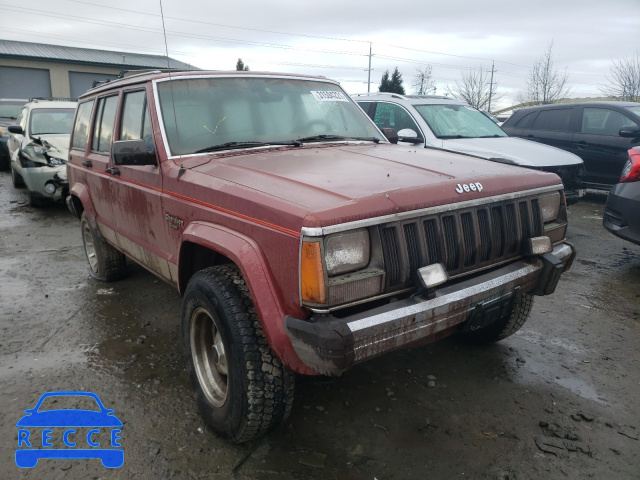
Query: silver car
(446, 123)
(39, 149)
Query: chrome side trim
(367, 222)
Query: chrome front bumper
(330, 345)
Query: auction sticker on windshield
(71, 425)
(329, 96)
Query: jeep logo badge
(472, 187)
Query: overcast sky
(332, 38)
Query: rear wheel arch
(81, 201)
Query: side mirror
(628, 131)
(391, 134)
(133, 152)
(17, 129)
(409, 135)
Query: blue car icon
(32, 447)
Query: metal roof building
(40, 70)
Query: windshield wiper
(230, 145)
(492, 136)
(449, 137)
(337, 137)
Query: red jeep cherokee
(301, 240)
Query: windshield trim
(165, 140)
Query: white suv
(446, 123)
(39, 149)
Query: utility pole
(491, 85)
(369, 79)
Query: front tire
(504, 327)
(16, 179)
(105, 262)
(242, 388)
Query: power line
(223, 25)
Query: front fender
(248, 256)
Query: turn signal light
(312, 287)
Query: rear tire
(105, 262)
(242, 388)
(506, 326)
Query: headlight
(550, 206)
(346, 252)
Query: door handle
(582, 145)
(113, 171)
(87, 163)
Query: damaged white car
(39, 149)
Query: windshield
(200, 114)
(45, 121)
(458, 121)
(634, 109)
(10, 110)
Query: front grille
(463, 240)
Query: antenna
(166, 49)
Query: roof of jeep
(159, 74)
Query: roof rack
(51, 99)
(140, 72)
(403, 97)
(390, 94)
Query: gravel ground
(560, 399)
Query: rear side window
(602, 121)
(103, 127)
(134, 124)
(81, 127)
(526, 121)
(558, 119)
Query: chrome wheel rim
(209, 357)
(89, 247)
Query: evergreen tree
(385, 82)
(396, 82)
(241, 66)
(393, 84)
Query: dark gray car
(598, 132)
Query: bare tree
(423, 82)
(476, 88)
(545, 83)
(624, 80)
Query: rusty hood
(329, 184)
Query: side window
(602, 121)
(134, 124)
(558, 119)
(366, 106)
(394, 116)
(526, 121)
(81, 127)
(103, 126)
